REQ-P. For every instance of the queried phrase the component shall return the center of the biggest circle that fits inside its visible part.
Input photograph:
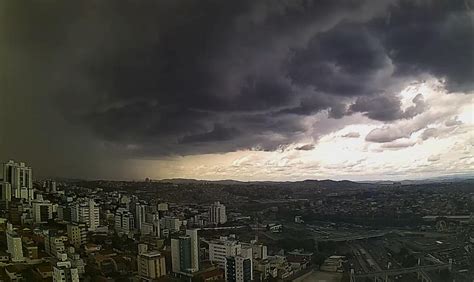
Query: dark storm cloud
(219, 133)
(387, 107)
(381, 107)
(341, 61)
(215, 63)
(148, 78)
(432, 36)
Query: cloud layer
(161, 79)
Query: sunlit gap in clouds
(436, 141)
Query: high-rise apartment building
(173, 224)
(86, 211)
(124, 221)
(217, 213)
(77, 234)
(14, 245)
(42, 211)
(222, 248)
(259, 251)
(5, 191)
(140, 215)
(152, 225)
(64, 213)
(185, 252)
(15, 211)
(50, 186)
(20, 178)
(238, 269)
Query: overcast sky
(248, 90)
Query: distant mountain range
(449, 178)
(222, 182)
(236, 182)
(325, 182)
(439, 179)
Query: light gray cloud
(351, 135)
(399, 144)
(387, 134)
(306, 147)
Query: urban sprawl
(190, 230)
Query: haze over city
(246, 90)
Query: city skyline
(248, 90)
(262, 231)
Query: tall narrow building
(77, 234)
(15, 211)
(6, 191)
(185, 252)
(217, 213)
(86, 211)
(124, 221)
(14, 245)
(140, 215)
(238, 269)
(151, 226)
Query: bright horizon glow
(449, 152)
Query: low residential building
(333, 264)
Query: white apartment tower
(77, 234)
(86, 211)
(124, 221)
(217, 213)
(222, 248)
(14, 244)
